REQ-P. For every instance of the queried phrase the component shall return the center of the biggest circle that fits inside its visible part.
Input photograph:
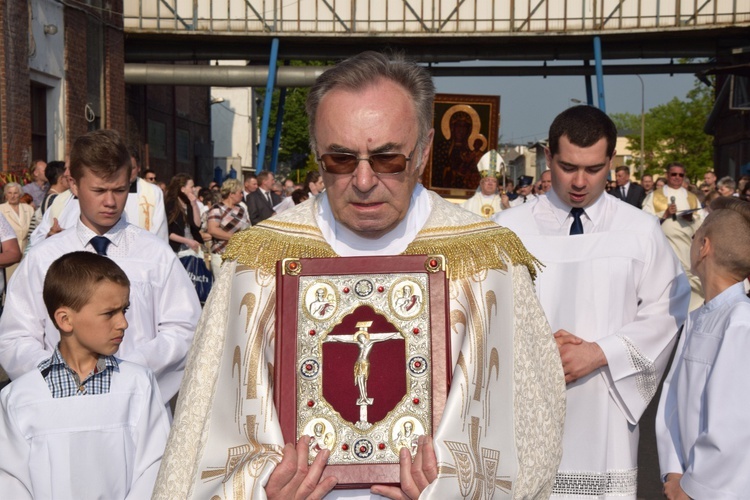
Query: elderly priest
(371, 128)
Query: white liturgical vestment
(164, 307)
(81, 447)
(619, 285)
(486, 206)
(702, 423)
(680, 231)
(501, 428)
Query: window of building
(38, 122)
(157, 139)
(183, 145)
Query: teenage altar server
(164, 306)
(83, 424)
(701, 425)
(614, 295)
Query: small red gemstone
(362, 449)
(308, 367)
(415, 401)
(312, 332)
(415, 331)
(344, 446)
(381, 446)
(416, 363)
(346, 289)
(381, 289)
(433, 263)
(311, 403)
(292, 265)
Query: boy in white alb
(701, 425)
(84, 424)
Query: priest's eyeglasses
(381, 163)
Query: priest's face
(579, 175)
(378, 119)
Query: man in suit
(260, 202)
(627, 191)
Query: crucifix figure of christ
(364, 340)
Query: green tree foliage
(294, 145)
(674, 132)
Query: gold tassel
(486, 246)
(468, 250)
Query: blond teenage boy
(84, 424)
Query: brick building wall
(15, 96)
(172, 125)
(110, 111)
(75, 74)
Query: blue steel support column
(589, 90)
(277, 134)
(267, 104)
(599, 72)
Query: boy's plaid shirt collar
(64, 382)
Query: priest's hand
(415, 476)
(579, 358)
(672, 488)
(294, 479)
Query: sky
(528, 104)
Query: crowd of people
(566, 298)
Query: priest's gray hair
(365, 69)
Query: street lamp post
(643, 124)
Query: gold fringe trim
(484, 246)
(475, 248)
(261, 247)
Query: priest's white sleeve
(638, 352)
(177, 310)
(15, 480)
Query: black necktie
(524, 199)
(577, 226)
(622, 189)
(100, 244)
(268, 197)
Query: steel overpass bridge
(443, 31)
(529, 38)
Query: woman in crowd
(314, 183)
(225, 219)
(19, 216)
(183, 216)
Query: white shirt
(618, 285)
(346, 243)
(72, 212)
(701, 424)
(519, 200)
(96, 446)
(164, 307)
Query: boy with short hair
(106, 444)
(701, 424)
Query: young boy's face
(99, 327)
(102, 200)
